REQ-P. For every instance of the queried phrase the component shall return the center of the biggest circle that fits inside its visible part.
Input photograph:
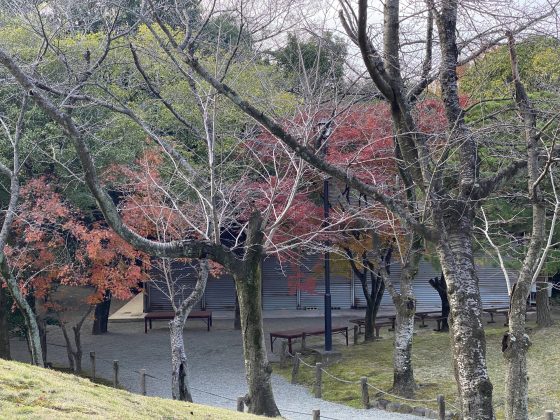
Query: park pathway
(216, 366)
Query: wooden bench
(206, 316)
(438, 318)
(423, 315)
(504, 310)
(360, 322)
(294, 334)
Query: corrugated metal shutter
(426, 296)
(313, 293)
(492, 284)
(341, 291)
(220, 293)
(158, 291)
(278, 292)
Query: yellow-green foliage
(31, 392)
(432, 361)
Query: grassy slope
(30, 392)
(433, 368)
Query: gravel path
(216, 365)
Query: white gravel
(216, 366)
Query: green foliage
(317, 58)
(539, 67)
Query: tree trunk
(544, 318)
(403, 373)
(260, 398)
(42, 323)
(69, 350)
(369, 332)
(514, 348)
(4, 327)
(179, 368)
(28, 314)
(468, 341)
(101, 315)
(441, 287)
(75, 355)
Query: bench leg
(145, 326)
(423, 324)
(208, 322)
(491, 319)
(346, 337)
(392, 324)
(290, 345)
(271, 344)
(150, 323)
(377, 331)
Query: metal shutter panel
(276, 289)
(158, 291)
(220, 293)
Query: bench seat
(206, 316)
(295, 334)
(360, 322)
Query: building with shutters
(285, 287)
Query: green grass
(35, 393)
(433, 368)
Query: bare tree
(182, 300)
(450, 190)
(14, 137)
(516, 342)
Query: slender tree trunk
(516, 341)
(42, 323)
(515, 345)
(75, 355)
(4, 327)
(544, 318)
(260, 398)
(69, 350)
(468, 341)
(179, 368)
(369, 333)
(28, 314)
(403, 372)
(101, 315)
(405, 305)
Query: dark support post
(318, 379)
(115, 373)
(328, 309)
(143, 381)
(356, 333)
(295, 368)
(316, 414)
(92, 360)
(365, 392)
(441, 407)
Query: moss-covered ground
(433, 371)
(28, 392)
